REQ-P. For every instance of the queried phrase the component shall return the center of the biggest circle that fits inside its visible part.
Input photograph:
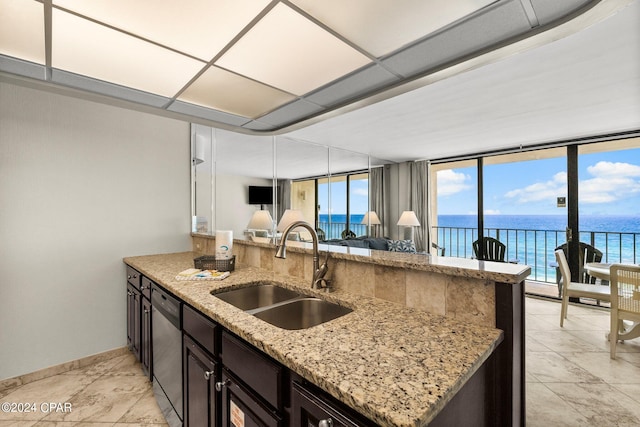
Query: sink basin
(302, 313)
(260, 294)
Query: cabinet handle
(221, 384)
(146, 311)
(142, 287)
(128, 276)
(207, 375)
(129, 293)
(325, 423)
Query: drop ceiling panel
(495, 24)
(362, 81)
(22, 30)
(84, 47)
(383, 26)
(197, 27)
(287, 51)
(92, 85)
(231, 93)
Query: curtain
(283, 198)
(419, 202)
(376, 199)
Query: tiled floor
(571, 381)
(111, 393)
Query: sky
(359, 197)
(609, 184)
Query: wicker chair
(625, 300)
(587, 253)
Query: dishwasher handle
(167, 305)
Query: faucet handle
(323, 283)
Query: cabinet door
(310, 409)
(145, 338)
(200, 397)
(133, 320)
(240, 408)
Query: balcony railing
(535, 247)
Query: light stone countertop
(398, 366)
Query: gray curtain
(283, 198)
(376, 199)
(419, 202)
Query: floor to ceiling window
(533, 201)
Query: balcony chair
(587, 253)
(625, 300)
(439, 249)
(348, 234)
(321, 234)
(494, 249)
(575, 289)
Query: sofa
(376, 243)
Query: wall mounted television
(260, 195)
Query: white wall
(82, 185)
(233, 211)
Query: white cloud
(539, 191)
(360, 192)
(450, 182)
(492, 212)
(610, 182)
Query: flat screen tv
(259, 195)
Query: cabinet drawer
(240, 406)
(200, 328)
(145, 287)
(259, 372)
(133, 277)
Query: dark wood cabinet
(133, 320)
(242, 407)
(311, 407)
(200, 377)
(139, 318)
(145, 337)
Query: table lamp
(409, 219)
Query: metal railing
(536, 247)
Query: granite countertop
(397, 366)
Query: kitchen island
(395, 365)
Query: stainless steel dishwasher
(167, 354)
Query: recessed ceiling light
(382, 26)
(228, 92)
(84, 47)
(287, 51)
(22, 30)
(197, 27)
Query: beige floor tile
(534, 345)
(107, 399)
(631, 357)
(126, 366)
(8, 423)
(562, 341)
(145, 411)
(101, 368)
(58, 389)
(601, 365)
(545, 409)
(631, 390)
(552, 367)
(540, 322)
(600, 404)
(539, 306)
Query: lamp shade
(261, 220)
(409, 219)
(289, 217)
(371, 218)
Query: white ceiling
(585, 84)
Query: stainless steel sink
(282, 307)
(257, 295)
(302, 313)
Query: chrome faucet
(318, 281)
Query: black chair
(348, 234)
(440, 249)
(494, 249)
(321, 234)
